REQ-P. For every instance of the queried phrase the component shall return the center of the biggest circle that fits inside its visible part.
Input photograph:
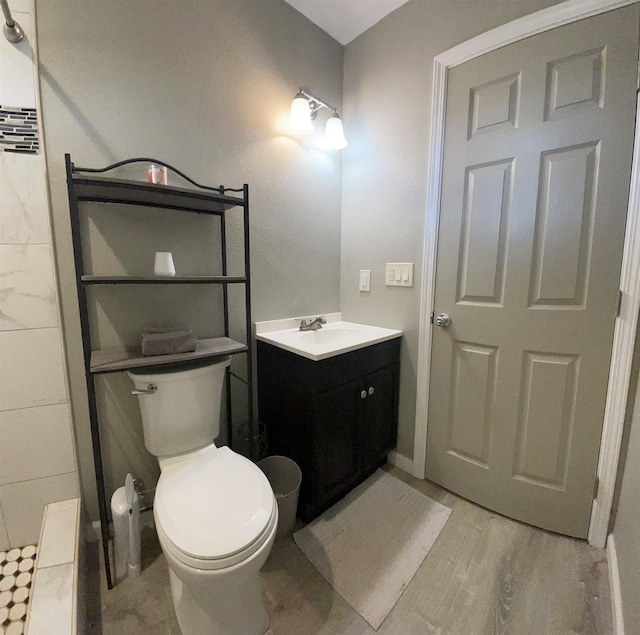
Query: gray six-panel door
(538, 145)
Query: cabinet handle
(371, 390)
(363, 394)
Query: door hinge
(638, 78)
(596, 487)
(619, 306)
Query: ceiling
(344, 20)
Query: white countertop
(334, 338)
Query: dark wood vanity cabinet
(337, 418)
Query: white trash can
(285, 478)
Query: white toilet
(215, 512)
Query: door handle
(443, 320)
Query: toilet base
(225, 601)
(199, 613)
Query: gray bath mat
(370, 544)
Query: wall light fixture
(304, 110)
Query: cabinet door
(335, 442)
(378, 421)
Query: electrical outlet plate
(365, 280)
(399, 274)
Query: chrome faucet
(312, 325)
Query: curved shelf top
(90, 184)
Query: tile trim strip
(19, 130)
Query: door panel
(377, 410)
(473, 378)
(495, 105)
(484, 230)
(335, 449)
(574, 83)
(537, 161)
(564, 226)
(545, 419)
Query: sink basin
(334, 338)
(331, 336)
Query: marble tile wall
(37, 457)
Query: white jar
(164, 264)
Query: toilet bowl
(214, 510)
(214, 572)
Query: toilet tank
(184, 411)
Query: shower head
(11, 29)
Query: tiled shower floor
(16, 571)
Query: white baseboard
(400, 460)
(614, 585)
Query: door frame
(626, 324)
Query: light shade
(334, 133)
(300, 119)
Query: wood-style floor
(485, 575)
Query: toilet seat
(214, 508)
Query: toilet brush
(133, 559)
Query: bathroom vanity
(337, 415)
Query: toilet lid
(213, 505)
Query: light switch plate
(365, 280)
(399, 274)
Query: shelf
(109, 360)
(105, 190)
(162, 280)
(94, 186)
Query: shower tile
(51, 611)
(16, 66)
(14, 598)
(35, 443)
(27, 291)
(10, 568)
(23, 505)
(58, 543)
(31, 369)
(25, 215)
(19, 130)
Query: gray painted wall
(387, 80)
(207, 87)
(387, 106)
(627, 526)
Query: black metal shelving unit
(91, 185)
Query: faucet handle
(311, 324)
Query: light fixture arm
(304, 109)
(315, 103)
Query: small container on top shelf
(157, 174)
(163, 265)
